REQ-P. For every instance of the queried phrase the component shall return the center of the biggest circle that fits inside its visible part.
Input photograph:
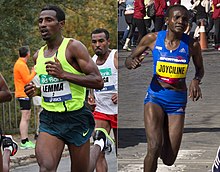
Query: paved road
(64, 165)
(202, 125)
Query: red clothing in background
(160, 6)
(172, 2)
(139, 9)
(216, 13)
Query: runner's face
(178, 20)
(48, 24)
(100, 44)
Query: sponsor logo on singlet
(106, 74)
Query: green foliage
(19, 26)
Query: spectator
(138, 21)
(147, 19)
(174, 2)
(210, 19)
(129, 12)
(188, 5)
(160, 6)
(216, 17)
(202, 8)
(22, 76)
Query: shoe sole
(25, 148)
(216, 164)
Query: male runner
(166, 98)
(65, 69)
(105, 100)
(9, 146)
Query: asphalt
(25, 157)
(201, 137)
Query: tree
(19, 26)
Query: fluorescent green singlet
(59, 95)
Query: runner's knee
(154, 148)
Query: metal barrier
(11, 115)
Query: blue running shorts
(172, 102)
(74, 127)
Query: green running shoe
(27, 145)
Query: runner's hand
(30, 89)
(54, 68)
(115, 98)
(194, 90)
(91, 102)
(136, 62)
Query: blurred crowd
(147, 16)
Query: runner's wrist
(37, 92)
(197, 78)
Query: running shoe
(216, 164)
(101, 133)
(9, 143)
(27, 145)
(126, 48)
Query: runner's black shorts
(74, 127)
(25, 103)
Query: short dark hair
(101, 30)
(175, 6)
(60, 15)
(23, 51)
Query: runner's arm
(194, 89)
(134, 59)
(79, 53)
(5, 94)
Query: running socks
(99, 143)
(23, 141)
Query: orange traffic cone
(203, 39)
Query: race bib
(171, 70)
(54, 89)
(106, 74)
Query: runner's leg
(101, 164)
(154, 120)
(115, 131)
(173, 131)
(48, 152)
(79, 157)
(6, 160)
